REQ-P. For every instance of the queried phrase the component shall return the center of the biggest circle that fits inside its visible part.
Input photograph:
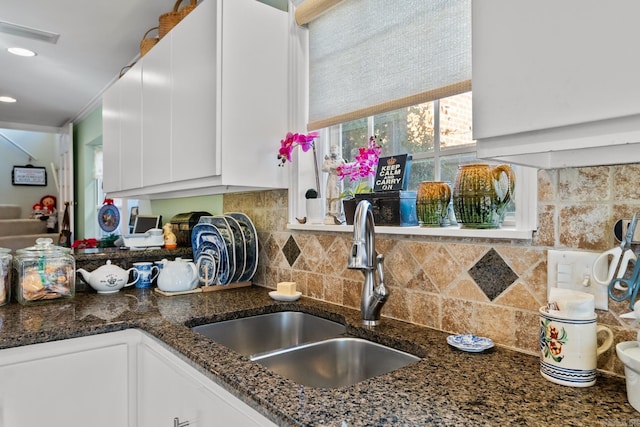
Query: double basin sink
(306, 349)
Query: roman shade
(371, 56)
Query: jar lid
(44, 246)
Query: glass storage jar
(5, 275)
(44, 272)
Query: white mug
(569, 348)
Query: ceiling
(65, 79)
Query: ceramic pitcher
(432, 203)
(481, 193)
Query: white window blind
(373, 56)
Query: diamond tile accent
(291, 250)
(492, 274)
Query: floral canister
(481, 193)
(569, 347)
(44, 272)
(5, 275)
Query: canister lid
(44, 246)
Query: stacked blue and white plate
(225, 248)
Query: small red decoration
(85, 244)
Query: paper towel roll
(573, 304)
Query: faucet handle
(380, 290)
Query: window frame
(521, 228)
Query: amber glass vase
(481, 193)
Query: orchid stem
(315, 167)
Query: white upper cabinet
(156, 115)
(555, 83)
(111, 132)
(214, 106)
(130, 86)
(196, 117)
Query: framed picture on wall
(29, 175)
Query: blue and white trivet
(470, 342)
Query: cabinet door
(65, 384)
(111, 139)
(169, 388)
(542, 65)
(196, 90)
(131, 128)
(254, 92)
(156, 114)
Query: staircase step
(10, 211)
(25, 241)
(17, 227)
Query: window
(438, 135)
(402, 71)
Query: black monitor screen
(146, 222)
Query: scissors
(620, 258)
(628, 287)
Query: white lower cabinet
(122, 378)
(174, 393)
(78, 382)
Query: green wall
(170, 207)
(87, 135)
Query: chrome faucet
(363, 257)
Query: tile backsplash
(488, 287)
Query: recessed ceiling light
(8, 99)
(21, 51)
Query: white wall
(43, 147)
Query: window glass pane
(391, 131)
(455, 121)
(449, 165)
(406, 130)
(353, 136)
(420, 128)
(421, 170)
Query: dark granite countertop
(448, 387)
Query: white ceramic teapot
(177, 276)
(108, 278)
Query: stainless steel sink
(307, 349)
(337, 362)
(267, 332)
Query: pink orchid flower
(365, 164)
(293, 140)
